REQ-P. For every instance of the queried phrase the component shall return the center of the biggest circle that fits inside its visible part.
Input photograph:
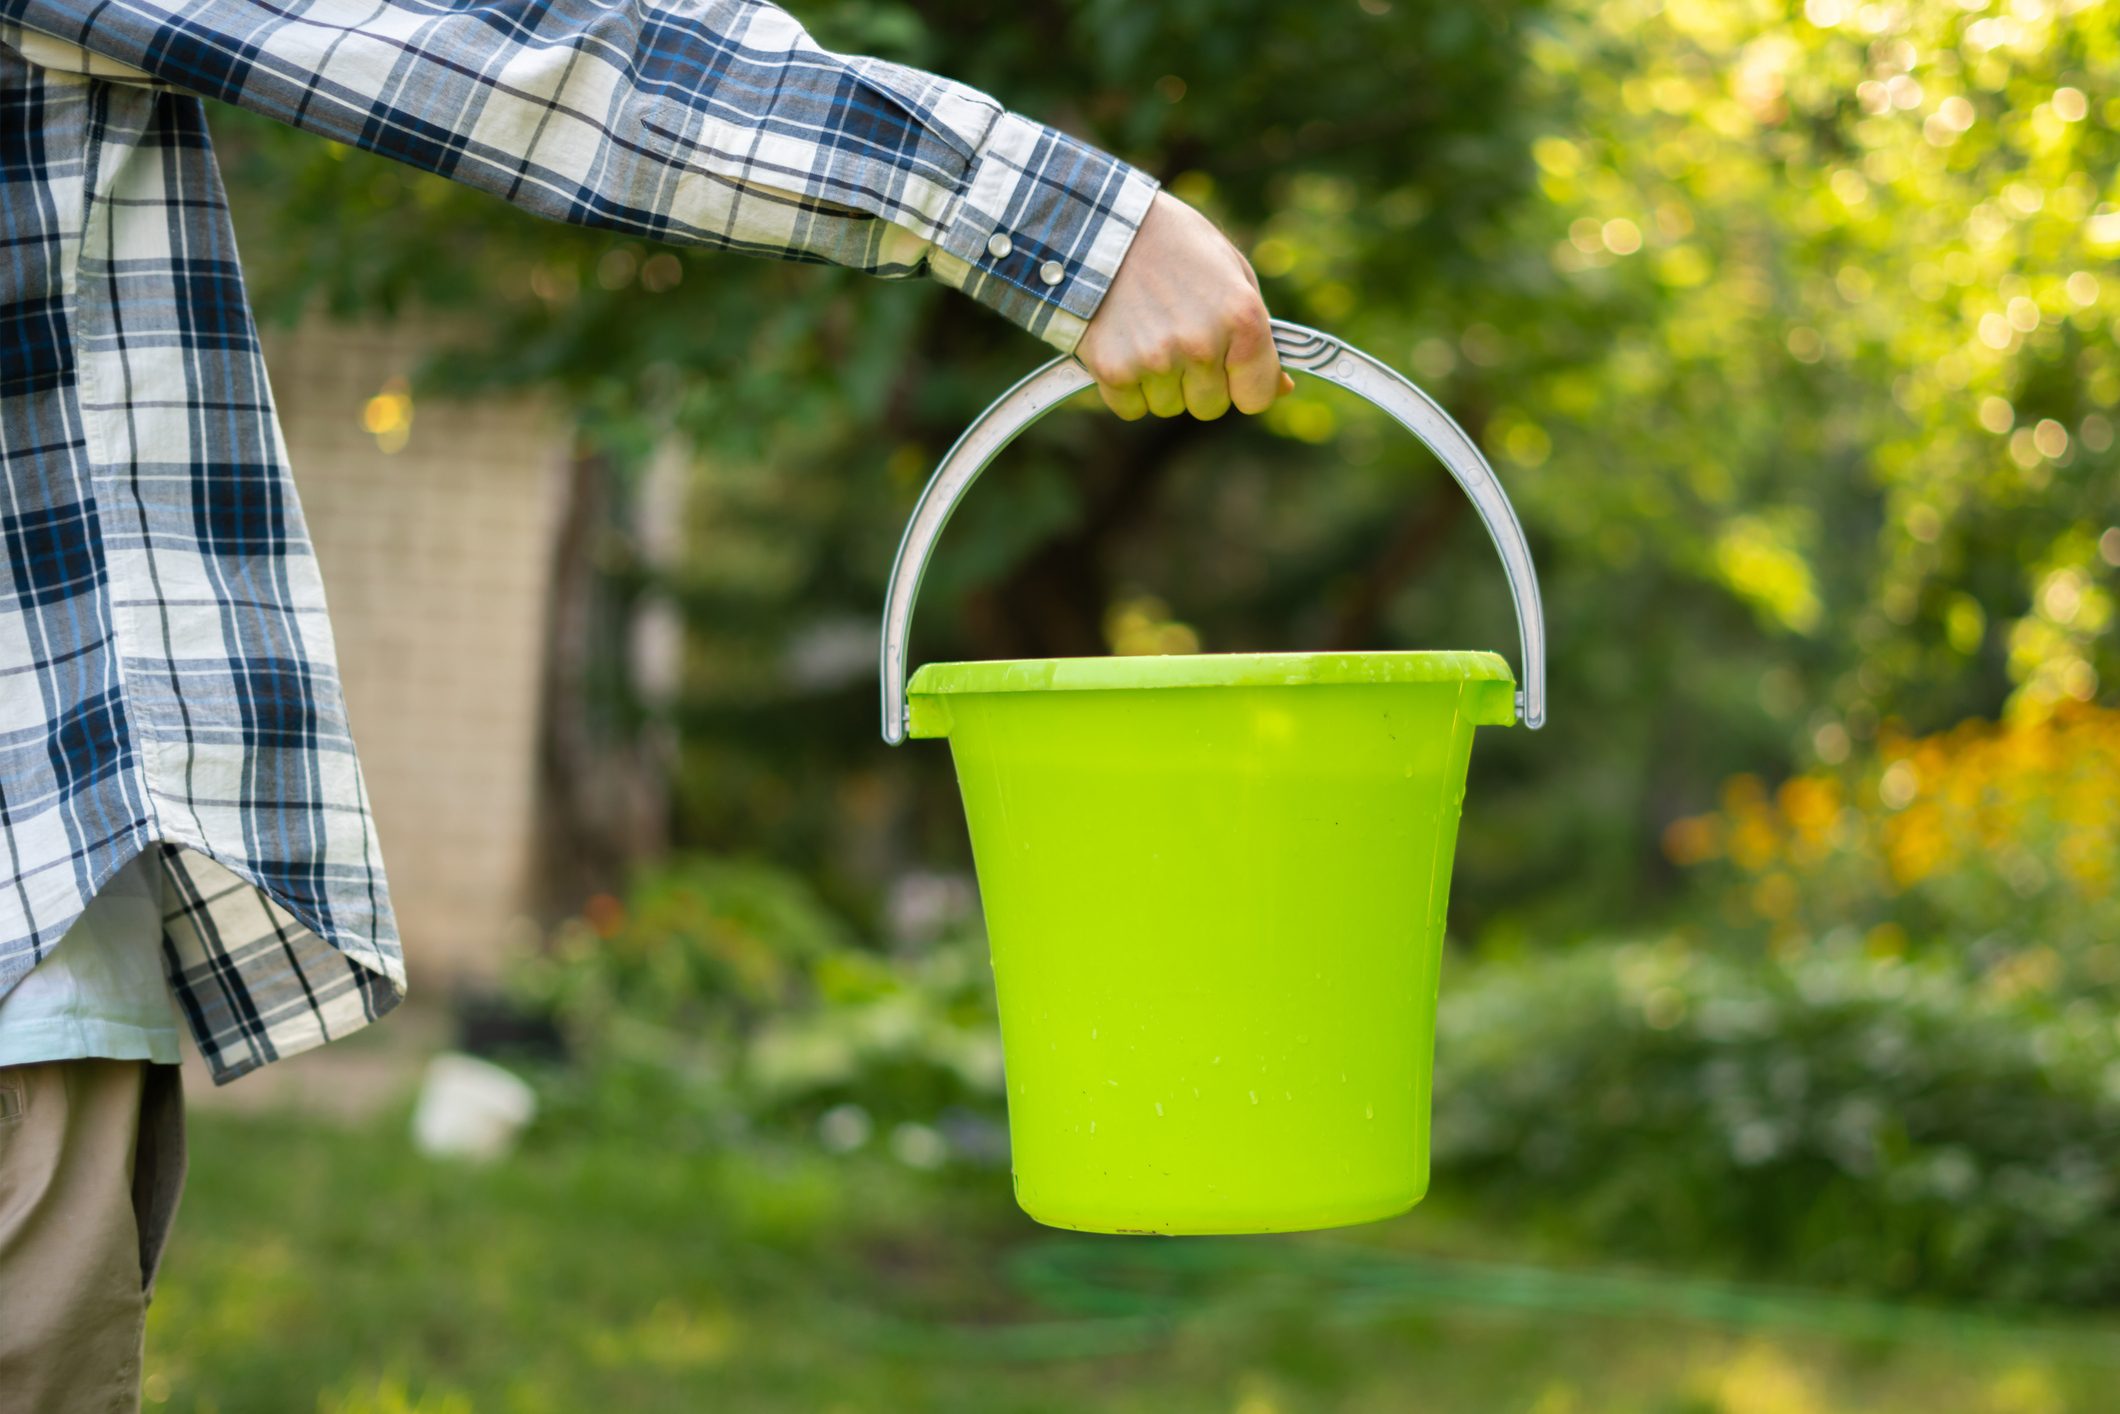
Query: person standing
(183, 825)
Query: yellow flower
(2026, 808)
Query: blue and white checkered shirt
(167, 679)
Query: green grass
(337, 1271)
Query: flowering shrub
(2003, 838)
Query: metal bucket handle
(1300, 348)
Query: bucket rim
(1183, 670)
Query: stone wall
(434, 536)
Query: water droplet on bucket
(1368, 1112)
(1255, 1097)
(1159, 1109)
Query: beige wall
(435, 560)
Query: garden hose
(1127, 1296)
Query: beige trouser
(91, 1164)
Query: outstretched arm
(722, 123)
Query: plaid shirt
(167, 678)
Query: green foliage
(1836, 1118)
(1804, 368)
(1870, 1124)
(723, 993)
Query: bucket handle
(1299, 347)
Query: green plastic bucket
(1215, 884)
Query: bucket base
(1090, 1218)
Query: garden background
(1780, 1056)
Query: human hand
(1183, 327)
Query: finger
(1254, 366)
(1124, 399)
(1165, 393)
(1288, 384)
(1206, 387)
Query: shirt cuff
(1041, 228)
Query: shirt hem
(86, 1040)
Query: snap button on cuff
(1050, 272)
(998, 245)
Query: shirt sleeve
(718, 123)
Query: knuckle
(1248, 334)
(1199, 346)
(1108, 370)
(1245, 313)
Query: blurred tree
(1787, 330)
(1824, 322)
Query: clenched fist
(1183, 327)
